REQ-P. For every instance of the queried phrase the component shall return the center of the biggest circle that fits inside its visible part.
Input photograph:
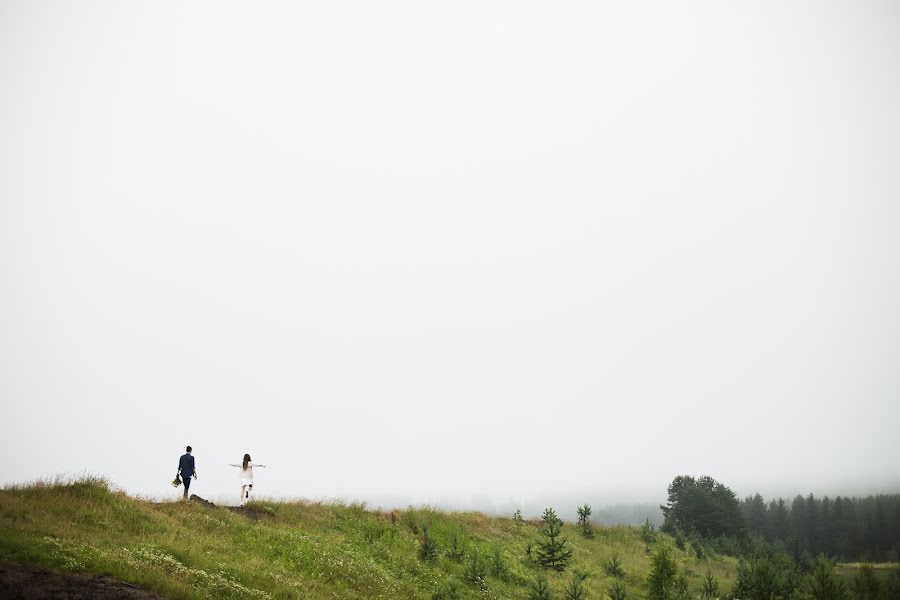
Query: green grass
(297, 549)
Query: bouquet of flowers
(177, 481)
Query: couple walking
(187, 470)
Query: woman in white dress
(246, 477)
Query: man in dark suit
(187, 470)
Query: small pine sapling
(709, 588)
(539, 589)
(613, 567)
(449, 591)
(617, 591)
(698, 550)
(475, 571)
(680, 589)
(517, 517)
(427, 547)
(553, 552)
(584, 521)
(456, 552)
(498, 567)
(574, 590)
(648, 532)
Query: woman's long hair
(246, 461)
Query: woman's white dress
(247, 474)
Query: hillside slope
(298, 549)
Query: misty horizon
(452, 253)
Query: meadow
(308, 550)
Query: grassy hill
(299, 549)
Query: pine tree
(679, 539)
(866, 586)
(456, 552)
(767, 576)
(575, 588)
(663, 574)
(553, 552)
(517, 517)
(584, 521)
(648, 532)
(613, 567)
(450, 591)
(475, 570)
(617, 591)
(427, 547)
(539, 589)
(680, 588)
(709, 589)
(823, 584)
(498, 568)
(697, 548)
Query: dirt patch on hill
(29, 583)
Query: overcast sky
(463, 252)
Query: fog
(473, 254)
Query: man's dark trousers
(186, 468)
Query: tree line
(851, 529)
(864, 529)
(775, 542)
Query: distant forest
(864, 529)
(850, 529)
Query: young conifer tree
(475, 571)
(709, 588)
(497, 566)
(584, 521)
(427, 547)
(539, 589)
(613, 567)
(617, 591)
(575, 588)
(663, 575)
(553, 552)
(457, 551)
